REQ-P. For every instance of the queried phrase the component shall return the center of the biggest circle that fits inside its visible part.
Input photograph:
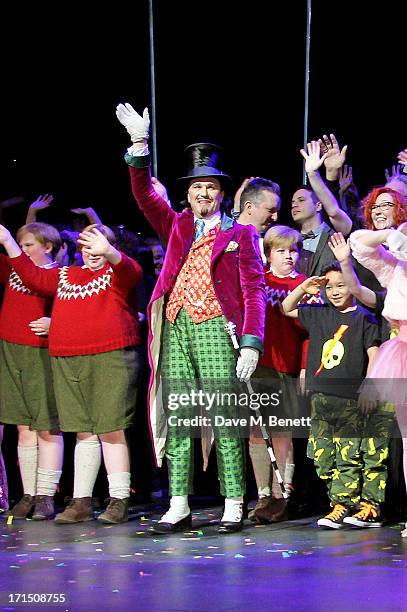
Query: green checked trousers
(200, 356)
(350, 450)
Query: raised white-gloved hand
(137, 126)
(247, 363)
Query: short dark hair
(308, 188)
(254, 188)
(334, 266)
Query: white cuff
(138, 151)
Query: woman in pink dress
(387, 379)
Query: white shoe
(404, 532)
(233, 512)
(232, 519)
(178, 510)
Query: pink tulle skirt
(387, 379)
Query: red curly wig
(399, 208)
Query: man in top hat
(212, 274)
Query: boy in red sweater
(93, 343)
(26, 392)
(284, 345)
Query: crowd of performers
(318, 312)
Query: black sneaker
(335, 519)
(368, 515)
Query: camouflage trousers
(349, 449)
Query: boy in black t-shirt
(343, 341)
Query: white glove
(247, 363)
(137, 126)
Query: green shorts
(97, 393)
(26, 390)
(284, 386)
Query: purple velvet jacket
(236, 269)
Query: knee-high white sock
(262, 468)
(47, 481)
(28, 462)
(119, 485)
(88, 458)
(289, 473)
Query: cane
(230, 329)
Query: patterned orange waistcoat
(193, 288)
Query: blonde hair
(281, 236)
(44, 233)
(103, 229)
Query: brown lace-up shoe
(23, 507)
(44, 508)
(116, 512)
(261, 503)
(273, 512)
(78, 510)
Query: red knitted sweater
(20, 306)
(93, 312)
(285, 341)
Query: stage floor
(290, 566)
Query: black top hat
(205, 159)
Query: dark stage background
(230, 75)
(233, 76)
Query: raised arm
(341, 249)
(10, 245)
(402, 157)
(41, 281)
(313, 161)
(93, 242)
(43, 201)
(311, 285)
(367, 249)
(335, 157)
(89, 213)
(154, 207)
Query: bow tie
(309, 235)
